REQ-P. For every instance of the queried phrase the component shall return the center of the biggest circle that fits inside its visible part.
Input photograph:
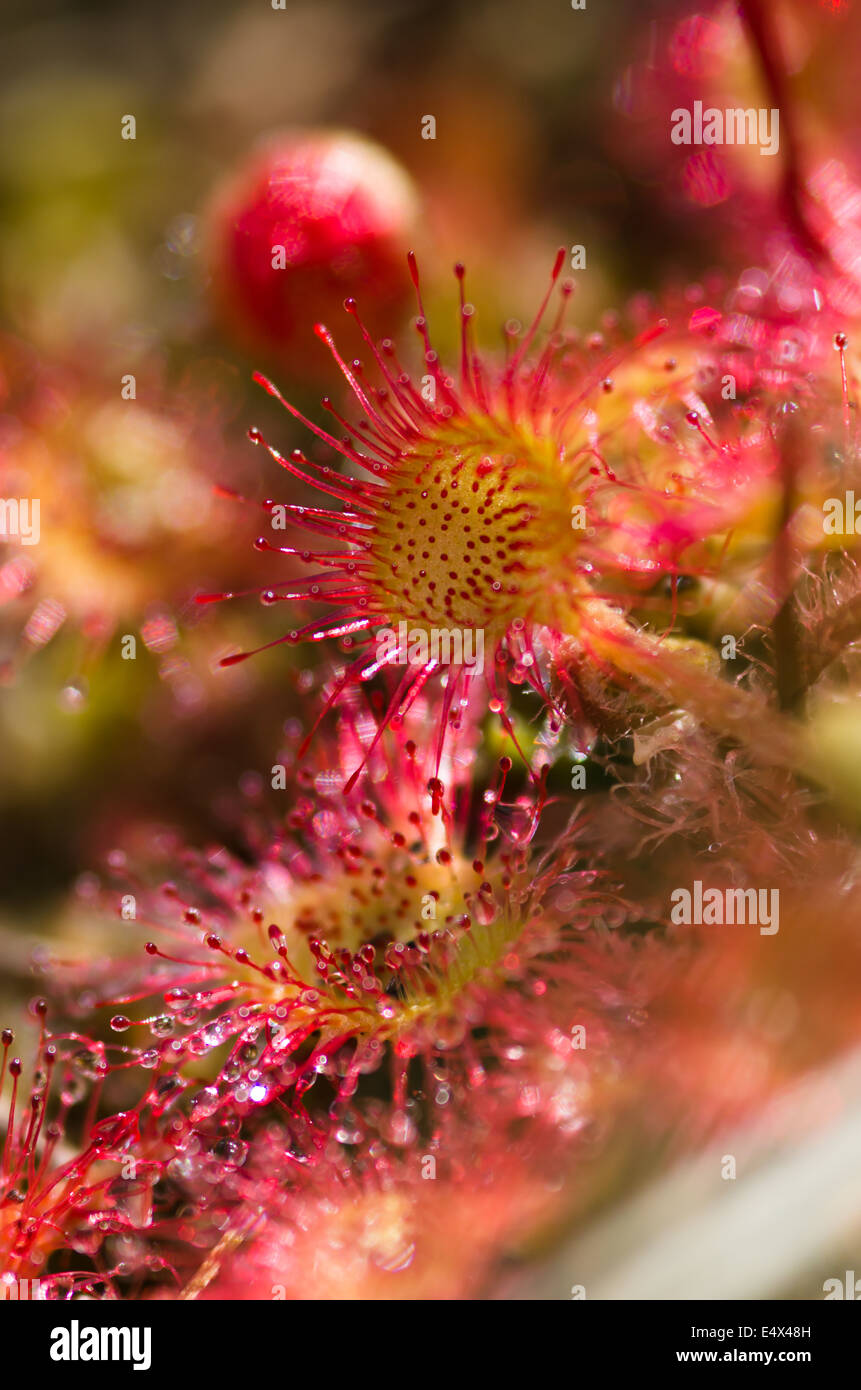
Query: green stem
(768, 737)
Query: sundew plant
(429, 654)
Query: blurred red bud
(310, 219)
